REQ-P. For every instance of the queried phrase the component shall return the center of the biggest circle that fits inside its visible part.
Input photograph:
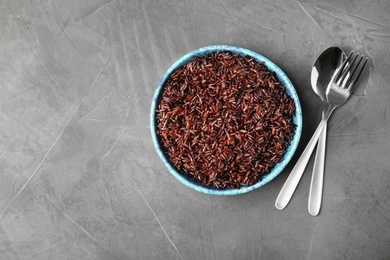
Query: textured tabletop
(80, 177)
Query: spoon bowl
(324, 69)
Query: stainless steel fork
(337, 94)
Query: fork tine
(341, 69)
(356, 77)
(347, 72)
(351, 70)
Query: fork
(337, 94)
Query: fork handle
(317, 179)
(295, 176)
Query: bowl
(276, 170)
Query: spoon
(322, 73)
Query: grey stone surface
(79, 176)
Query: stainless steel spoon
(323, 71)
(337, 94)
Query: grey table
(80, 178)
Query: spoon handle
(317, 179)
(295, 176)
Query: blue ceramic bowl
(297, 120)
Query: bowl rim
(282, 77)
